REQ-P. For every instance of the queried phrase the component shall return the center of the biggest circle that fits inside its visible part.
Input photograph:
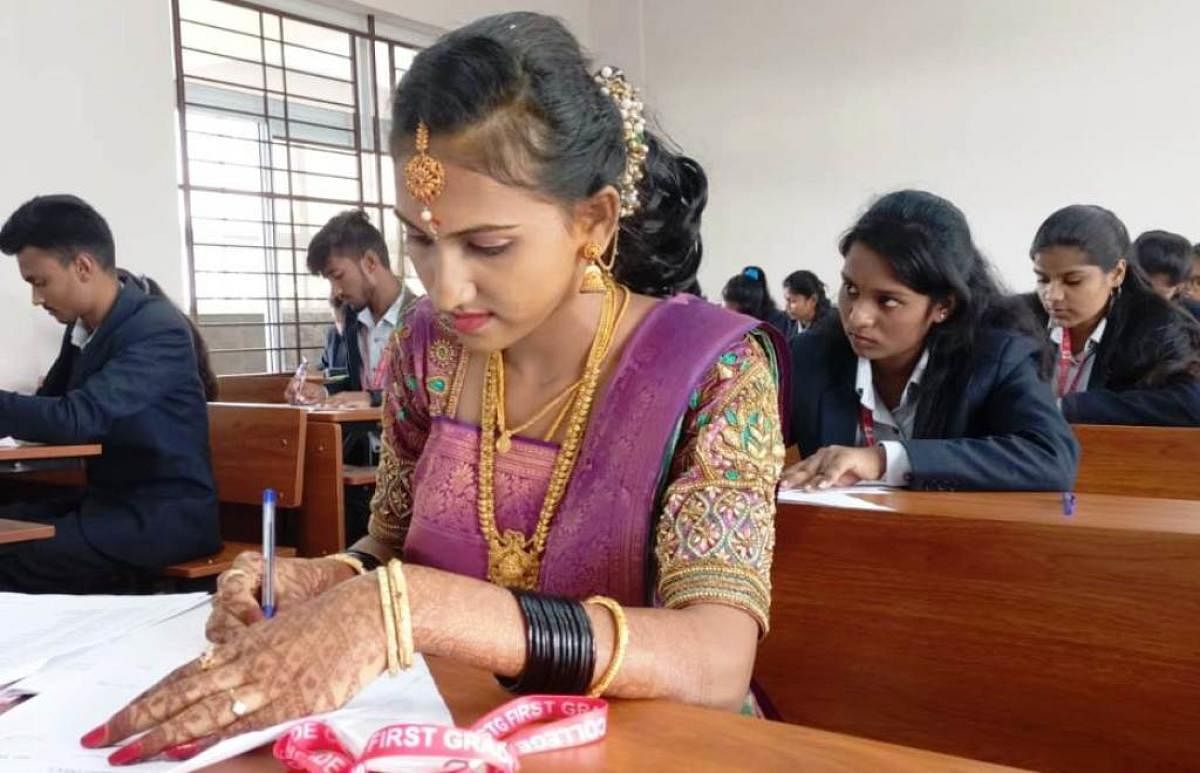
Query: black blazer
(1004, 431)
(334, 355)
(1140, 374)
(150, 499)
(351, 328)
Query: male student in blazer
(126, 378)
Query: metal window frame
(275, 148)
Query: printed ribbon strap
(528, 725)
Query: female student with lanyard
(1124, 355)
(561, 425)
(932, 380)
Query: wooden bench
(257, 387)
(994, 627)
(1158, 462)
(254, 447)
(358, 475)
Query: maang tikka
(425, 178)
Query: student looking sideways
(932, 380)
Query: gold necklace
(504, 442)
(514, 560)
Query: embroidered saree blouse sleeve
(405, 427)
(716, 534)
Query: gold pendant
(510, 564)
(504, 443)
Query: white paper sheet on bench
(78, 692)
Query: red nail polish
(185, 751)
(94, 738)
(126, 754)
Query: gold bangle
(349, 561)
(389, 622)
(402, 612)
(622, 643)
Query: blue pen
(268, 551)
(1068, 502)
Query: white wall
(802, 111)
(89, 101)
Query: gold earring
(593, 276)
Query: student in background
(1193, 289)
(1166, 260)
(1123, 354)
(748, 293)
(933, 379)
(126, 378)
(351, 253)
(333, 358)
(805, 301)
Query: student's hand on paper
(306, 660)
(297, 580)
(836, 466)
(304, 393)
(346, 400)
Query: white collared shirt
(1079, 372)
(891, 426)
(80, 335)
(373, 337)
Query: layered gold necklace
(514, 560)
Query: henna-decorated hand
(297, 580)
(307, 660)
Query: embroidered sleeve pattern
(426, 379)
(716, 535)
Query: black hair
(749, 293)
(1163, 252)
(63, 224)
(809, 285)
(208, 378)
(347, 234)
(515, 92)
(1173, 347)
(928, 244)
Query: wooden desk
(1139, 461)
(657, 735)
(37, 451)
(23, 531)
(348, 416)
(993, 627)
(322, 517)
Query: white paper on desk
(38, 628)
(76, 693)
(9, 442)
(845, 497)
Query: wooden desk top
(1094, 511)
(649, 735)
(25, 453)
(23, 531)
(348, 416)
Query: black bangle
(369, 561)
(559, 647)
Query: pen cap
(269, 496)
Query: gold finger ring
(206, 659)
(238, 708)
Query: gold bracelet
(402, 612)
(349, 561)
(389, 622)
(622, 643)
